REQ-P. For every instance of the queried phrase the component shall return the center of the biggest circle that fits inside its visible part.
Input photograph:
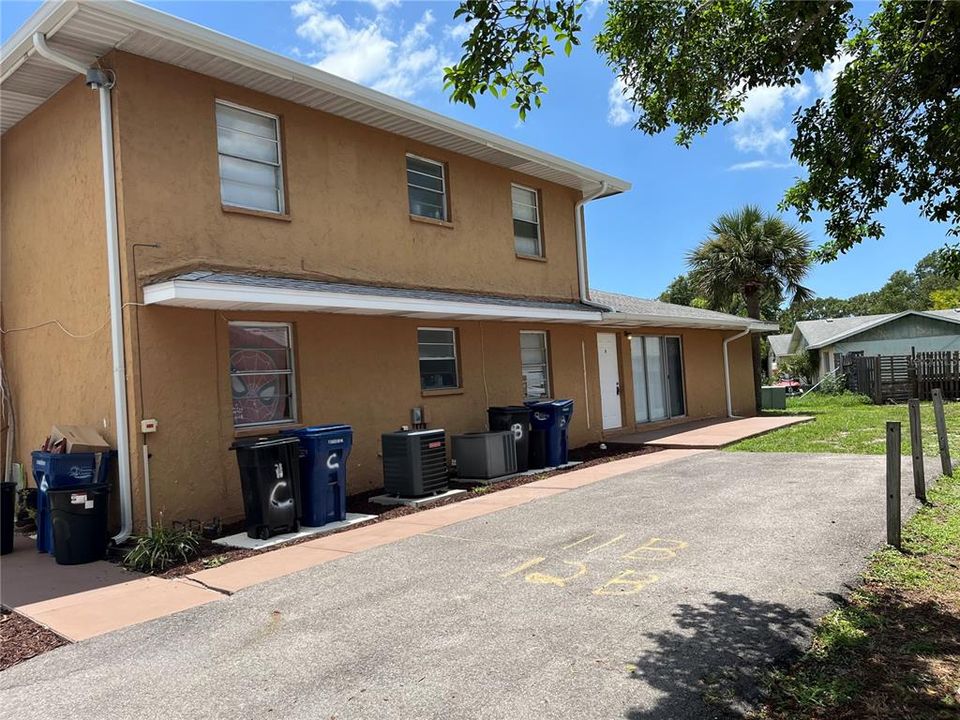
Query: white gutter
(726, 369)
(98, 80)
(581, 244)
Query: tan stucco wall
(362, 371)
(704, 386)
(53, 263)
(347, 198)
(359, 370)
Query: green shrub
(835, 384)
(162, 548)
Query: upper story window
(438, 358)
(535, 364)
(427, 188)
(261, 374)
(251, 175)
(526, 221)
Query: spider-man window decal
(261, 374)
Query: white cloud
(760, 127)
(381, 5)
(619, 110)
(373, 52)
(759, 165)
(826, 79)
(459, 31)
(590, 7)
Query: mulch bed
(21, 639)
(213, 555)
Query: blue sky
(637, 241)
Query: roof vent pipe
(581, 245)
(102, 81)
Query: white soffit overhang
(89, 30)
(225, 296)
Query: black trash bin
(515, 419)
(538, 449)
(8, 512)
(270, 478)
(79, 519)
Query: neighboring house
(293, 248)
(779, 349)
(889, 334)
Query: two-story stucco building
(226, 241)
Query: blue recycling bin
(62, 471)
(552, 417)
(324, 450)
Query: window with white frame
(261, 374)
(438, 358)
(535, 364)
(251, 175)
(427, 188)
(526, 221)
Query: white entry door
(609, 363)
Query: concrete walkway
(107, 598)
(711, 434)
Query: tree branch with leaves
(890, 128)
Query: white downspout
(726, 369)
(99, 80)
(581, 243)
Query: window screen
(427, 188)
(261, 374)
(438, 358)
(526, 222)
(535, 364)
(249, 147)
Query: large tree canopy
(890, 129)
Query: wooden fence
(897, 378)
(936, 370)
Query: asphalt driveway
(658, 594)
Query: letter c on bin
(273, 496)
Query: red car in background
(794, 387)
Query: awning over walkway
(227, 291)
(237, 291)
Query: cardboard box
(78, 439)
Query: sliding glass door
(657, 377)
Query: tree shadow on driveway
(711, 665)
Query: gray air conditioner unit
(485, 455)
(415, 462)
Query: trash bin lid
(258, 442)
(321, 429)
(509, 408)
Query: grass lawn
(848, 424)
(893, 651)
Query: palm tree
(754, 256)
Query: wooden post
(916, 449)
(941, 421)
(893, 484)
(877, 392)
